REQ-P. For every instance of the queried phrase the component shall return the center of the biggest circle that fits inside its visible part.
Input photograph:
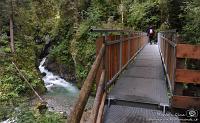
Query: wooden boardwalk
(140, 94)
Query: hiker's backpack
(151, 31)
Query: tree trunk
(12, 46)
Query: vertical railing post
(120, 52)
(105, 66)
(140, 39)
(159, 41)
(169, 56)
(164, 50)
(98, 118)
(174, 63)
(137, 41)
(129, 47)
(163, 47)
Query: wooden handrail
(76, 113)
(118, 41)
(169, 41)
(167, 49)
(98, 97)
(101, 108)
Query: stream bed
(61, 95)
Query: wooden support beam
(188, 51)
(99, 43)
(76, 113)
(101, 109)
(188, 76)
(185, 102)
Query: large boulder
(64, 71)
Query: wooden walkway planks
(143, 82)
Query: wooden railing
(183, 80)
(114, 53)
(167, 47)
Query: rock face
(46, 49)
(64, 71)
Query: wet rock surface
(64, 71)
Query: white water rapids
(52, 80)
(61, 95)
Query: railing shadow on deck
(114, 53)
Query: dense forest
(60, 30)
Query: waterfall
(52, 80)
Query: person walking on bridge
(150, 33)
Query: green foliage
(26, 115)
(4, 39)
(175, 12)
(136, 15)
(71, 45)
(141, 15)
(163, 6)
(12, 85)
(45, 15)
(192, 27)
(83, 43)
(4, 43)
(23, 114)
(164, 26)
(61, 54)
